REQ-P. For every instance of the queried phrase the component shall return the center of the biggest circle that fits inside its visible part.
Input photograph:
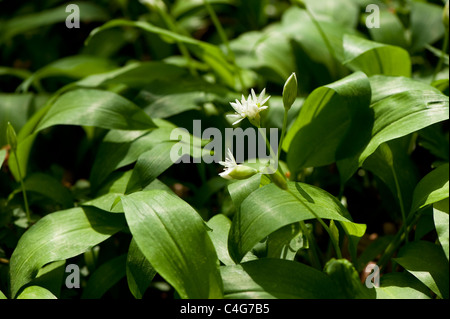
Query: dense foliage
(88, 179)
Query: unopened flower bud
(240, 172)
(11, 137)
(290, 91)
(279, 180)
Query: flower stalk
(12, 141)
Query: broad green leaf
(398, 285)
(334, 123)
(150, 165)
(210, 54)
(441, 223)
(426, 24)
(49, 187)
(347, 280)
(239, 190)
(174, 239)
(428, 263)
(275, 54)
(313, 57)
(286, 242)
(105, 277)
(51, 277)
(36, 292)
(220, 227)
(59, 236)
(139, 271)
(136, 75)
(433, 188)
(276, 278)
(269, 208)
(397, 116)
(392, 31)
(2, 157)
(30, 22)
(75, 67)
(2, 295)
(163, 99)
(343, 12)
(384, 86)
(375, 58)
(96, 108)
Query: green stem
(27, 209)
(441, 59)
(283, 132)
(272, 153)
(400, 198)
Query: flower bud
(290, 91)
(11, 137)
(279, 180)
(239, 172)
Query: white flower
(249, 108)
(235, 171)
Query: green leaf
(173, 237)
(347, 280)
(150, 165)
(210, 54)
(426, 24)
(140, 272)
(286, 242)
(30, 22)
(276, 278)
(397, 116)
(441, 222)
(36, 292)
(2, 295)
(135, 74)
(239, 190)
(51, 277)
(105, 277)
(433, 188)
(2, 157)
(334, 123)
(375, 58)
(95, 108)
(384, 86)
(428, 263)
(401, 286)
(59, 236)
(220, 227)
(76, 67)
(48, 186)
(163, 99)
(392, 31)
(269, 208)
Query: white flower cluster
(249, 108)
